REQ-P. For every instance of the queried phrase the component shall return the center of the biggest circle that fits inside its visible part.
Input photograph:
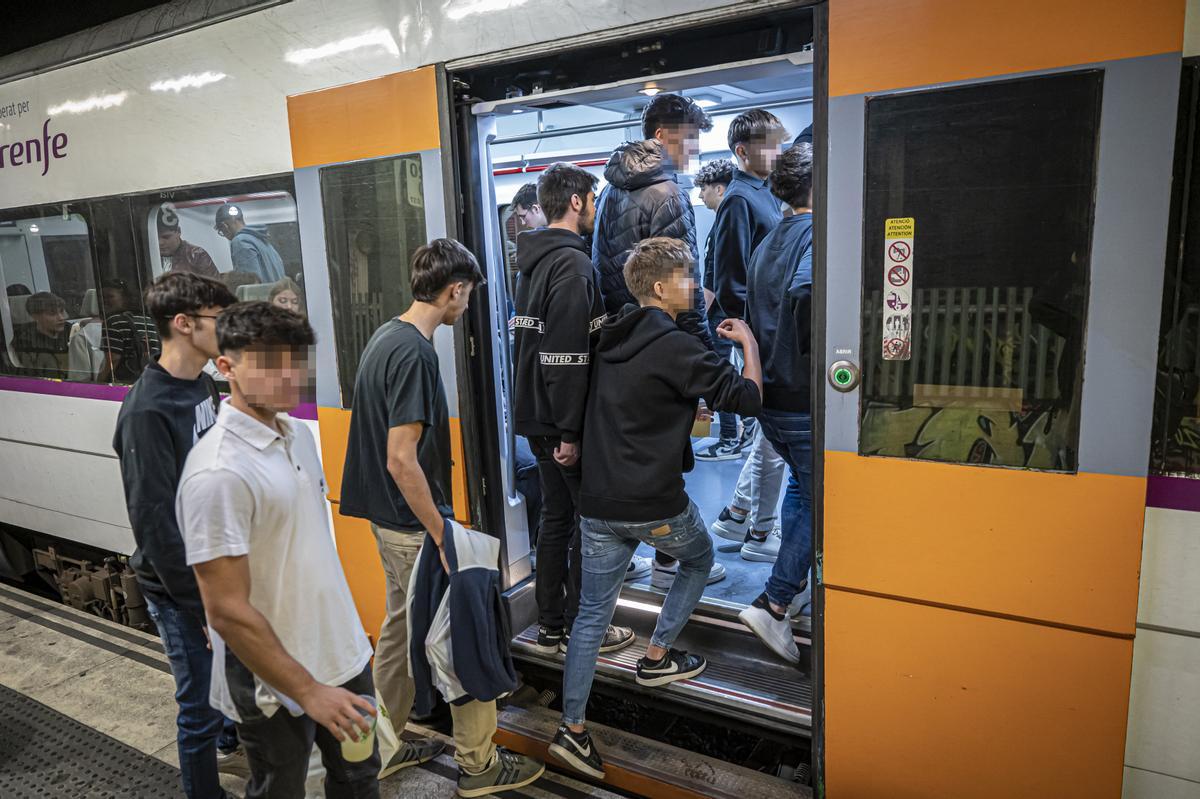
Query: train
(1006, 444)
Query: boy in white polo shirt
(290, 658)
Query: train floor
(115, 689)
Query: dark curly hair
(257, 324)
(666, 110)
(715, 173)
(791, 179)
(526, 196)
(182, 292)
(440, 263)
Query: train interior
(520, 135)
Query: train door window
(374, 222)
(51, 298)
(1175, 449)
(976, 246)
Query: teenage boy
(527, 209)
(649, 376)
(712, 180)
(290, 658)
(559, 311)
(164, 414)
(779, 303)
(397, 476)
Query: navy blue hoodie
(745, 216)
(778, 308)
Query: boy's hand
(736, 331)
(566, 454)
(337, 710)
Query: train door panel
(371, 183)
(993, 269)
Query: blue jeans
(607, 548)
(724, 348)
(201, 727)
(791, 435)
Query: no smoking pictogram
(899, 251)
(898, 275)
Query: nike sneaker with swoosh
(675, 665)
(578, 751)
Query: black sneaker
(550, 639)
(723, 449)
(578, 751)
(675, 665)
(615, 638)
(412, 753)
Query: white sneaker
(765, 550)
(664, 576)
(639, 567)
(728, 527)
(775, 633)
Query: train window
(1175, 448)
(50, 294)
(976, 246)
(249, 241)
(374, 222)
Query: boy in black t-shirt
(165, 413)
(397, 476)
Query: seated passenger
(42, 345)
(290, 659)
(649, 375)
(249, 247)
(179, 255)
(778, 306)
(129, 340)
(286, 294)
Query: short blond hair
(652, 261)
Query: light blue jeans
(607, 548)
(760, 484)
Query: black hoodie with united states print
(558, 314)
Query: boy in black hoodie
(559, 311)
(648, 376)
(164, 414)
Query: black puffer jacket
(643, 199)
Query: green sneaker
(412, 753)
(507, 772)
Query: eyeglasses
(202, 315)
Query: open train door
(995, 202)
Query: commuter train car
(1004, 444)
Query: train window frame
(1051, 417)
(353, 321)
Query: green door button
(843, 376)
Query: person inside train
(42, 344)
(778, 307)
(250, 247)
(527, 210)
(712, 180)
(286, 294)
(397, 476)
(290, 659)
(648, 376)
(557, 322)
(179, 255)
(129, 339)
(164, 414)
(644, 199)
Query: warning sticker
(898, 234)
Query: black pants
(278, 747)
(559, 560)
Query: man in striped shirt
(128, 340)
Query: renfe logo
(34, 151)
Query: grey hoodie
(252, 252)
(643, 199)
